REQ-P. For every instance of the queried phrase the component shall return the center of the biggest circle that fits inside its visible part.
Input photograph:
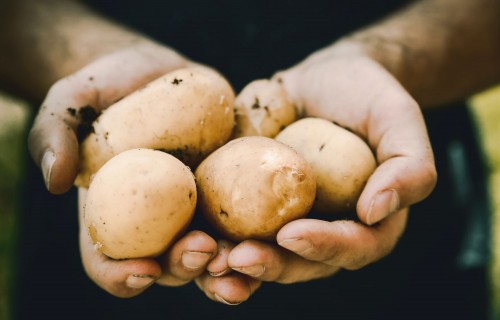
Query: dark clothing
(246, 40)
(437, 271)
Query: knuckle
(358, 262)
(59, 86)
(430, 175)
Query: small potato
(252, 186)
(138, 203)
(342, 162)
(262, 109)
(188, 112)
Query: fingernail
(47, 163)
(253, 271)
(194, 259)
(220, 273)
(220, 299)
(383, 204)
(297, 245)
(139, 281)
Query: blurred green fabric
(13, 123)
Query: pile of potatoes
(184, 144)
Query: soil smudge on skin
(86, 116)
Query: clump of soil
(86, 116)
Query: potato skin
(138, 203)
(342, 162)
(262, 109)
(252, 186)
(188, 112)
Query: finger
(347, 244)
(54, 148)
(124, 278)
(187, 258)
(121, 278)
(219, 266)
(268, 262)
(72, 104)
(230, 289)
(386, 116)
(406, 173)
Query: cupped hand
(186, 260)
(53, 139)
(309, 249)
(54, 146)
(344, 85)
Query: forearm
(45, 40)
(440, 50)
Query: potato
(138, 203)
(252, 186)
(262, 109)
(342, 162)
(188, 112)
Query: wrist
(396, 57)
(45, 41)
(440, 51)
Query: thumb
(63, 120)
(53, 139)
(385, 116)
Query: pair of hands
(339, 83)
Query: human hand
(185, 260)
(54, 146)
(306, 249)
(53, 139)
(353, 90)
(344, 85)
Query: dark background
(436, 272)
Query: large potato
(138, 203)
(252, 186)
(262, 109)
(187, 112)
(342, 162)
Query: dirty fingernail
(219, 273)
(253, 271)
(220, 299)
(194, 259)
(139, 281)
(383, 204)
(47, 163)
(297, 245)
